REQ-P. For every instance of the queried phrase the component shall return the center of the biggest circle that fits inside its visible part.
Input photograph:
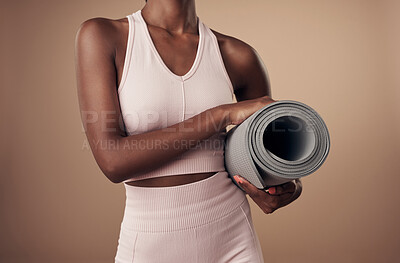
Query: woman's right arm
(120, 157)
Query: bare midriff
(172, 180)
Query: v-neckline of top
(199, 50)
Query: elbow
(115, 168)
(114, 178)
(113, 171)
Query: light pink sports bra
(153, 97)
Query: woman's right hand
(240, 111)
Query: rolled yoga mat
(282, 141)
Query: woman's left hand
(273, 198)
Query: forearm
(127, 156)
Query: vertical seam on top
(183, 100)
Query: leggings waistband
(173, 208)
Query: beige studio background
(340, 56)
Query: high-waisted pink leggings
(208, 221)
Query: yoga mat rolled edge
(246, 155)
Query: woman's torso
(178, 53)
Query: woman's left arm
(250, 80)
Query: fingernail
(271, 190)
(238, 179)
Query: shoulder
(102, 26)
(244, 66)
(235, 48)
(100, 32)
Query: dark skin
(173, 27)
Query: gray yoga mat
(280, 142)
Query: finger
(288, 187)
(277, 201)
(285, 199)
(246, 185)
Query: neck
(178, 16)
